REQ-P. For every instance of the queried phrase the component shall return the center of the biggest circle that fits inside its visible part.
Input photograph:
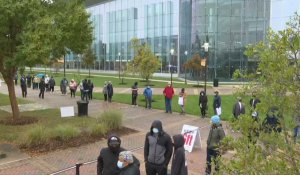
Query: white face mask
(120, 164)
(155, 130)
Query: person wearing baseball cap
(216, 134)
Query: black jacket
(52, 82)
(131, 169)
(108, 159)
(253, 102)
(42, 85)
(158, 150)
(217, 101)
(178, 162)
(203, 100)
(110, 90)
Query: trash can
(82, 108)
(216, 82)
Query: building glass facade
(182, 25)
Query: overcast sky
(281, 10)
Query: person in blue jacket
(148, 96)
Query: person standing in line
(52, 84)
(104, 91)
(203, 103)
(148, 97)
(42, 87)
(168, 93)
(254, 101)
(107, 161)
(29, 79)
(16, 79)
(35, 82)
(126, 164)
(47, 83)
(91, 88)
(238, 108)
(181, 100)
(85, 89)
(179, 163)
(217, 104)
(73, 87)
(110, 91)
(134, 94)
(23, 86)
(158, 150)
(216, 134)
(81, 90)
(63, 85)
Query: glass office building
(182, 25)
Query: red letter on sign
(188, 139)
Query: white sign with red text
(191, 137)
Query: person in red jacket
(168, 93)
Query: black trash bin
(216, 82)
(82, 108)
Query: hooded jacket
(108, 158)
(203, 100)
(179, 162)
(216, 134)
(148, 92)
(158, 148)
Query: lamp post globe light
(185, 53)
(170, 66)
(119, 54)
(205, 46)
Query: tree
(195, 66)
(144, 61)
(278, 85)
(89, 58)
(32, 32)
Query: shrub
(36, 136)
(98, 129)
(65, 132)
(111, 119)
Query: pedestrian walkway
(137, 118)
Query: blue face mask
(120, 164)
(155, 130)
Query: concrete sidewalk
(137, 118)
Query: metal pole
(119, 68)
(205, 74)
(78, 168)
(171, 72)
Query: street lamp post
(185, 53)
(170, 66)
(205, 46)
(119, 65)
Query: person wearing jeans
(148, 97)
(168, 93)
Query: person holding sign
(216, 134)
(157, 150)
(181, 101)
(179, 165)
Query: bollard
(78, 168)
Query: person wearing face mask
(126, 164)
(179, 165)
(168, 93)
(157, 150)
(109, 156)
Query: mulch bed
(83, 139)
(20, 121)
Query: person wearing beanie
(216, 134)
(157, 150)
(109, 156)
(179, 165)
(126, 165)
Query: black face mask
(114, 148)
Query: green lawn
(99, 79)
(5, 100)
(191, 106)
(49, 118)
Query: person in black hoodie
(157, 150)
(108, 158)
(203, 103)
(42, 86)
(179, 166)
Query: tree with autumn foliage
(195, 66)
(144, 62)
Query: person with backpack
(216, 134)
